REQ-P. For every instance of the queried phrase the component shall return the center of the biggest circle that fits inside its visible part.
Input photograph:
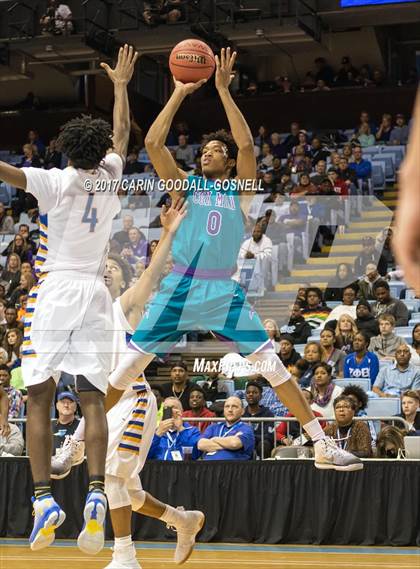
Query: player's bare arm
(246, 165)
(134, 299)
(121, 76)
(12, 175)
(4, 413)
(159, 154)
(406, 242)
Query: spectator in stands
(258, 247)
(233, 439)
(57, 20)
(278, 150)
(122, 236)
(132, 165)
(385, 128)
(324, 71)
(180, 385)
(330, 354)
(287, 353)
(346, 74)
(12, 444)
(369, 255)
(12, 343)
(263, 136)
(34, 140)
(321, 86)
(268, 184)
(263, 445)
(324, 390)
(269, 397)
(399, 134)
(305, 186)
(345, 331)
(343, 277)
(312, 354)
(52, 156)
(272, 329)
(415, 346)
(184, 151)
(265, 160)
(292, 139)
(386, 344)
(345, 173)
(353, 436)
(410, 410)
(19, 247)
(30, 158)
(213, 386)
(365, 320)
(364, 136)
(297, 326)
(316, 312)
(303, 142)
(361, 364)
(335, 158)
(158, 393)
(401, 376)
(386, 304)
(320, 170)
(135, 249)
(6, 221)
(361, 167)
(198, 408)
(11, 321)
(367, 281)
(390, 443)
(360, 398)
(16, 402)
(66, 423)
(365, 119)
(173, 435)
(24, 232)
(25, 285)
(383, 244)
(290, 432)
(348, 307)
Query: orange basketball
(191, 60)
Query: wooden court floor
(15, 554)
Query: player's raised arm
(160, 156)
(246, 165)
(121, 76)
(134, 299)
(12, 175)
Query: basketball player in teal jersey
(199, 293)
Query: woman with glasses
(353, 436)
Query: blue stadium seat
(378, 174)
(363, 383)
(396, 287)
(300, 348)
(4, 195)
(405, 332)
(389, 165)
(383, 407)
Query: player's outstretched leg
(327, 454)
(92, 537)
(48, 514)
(123, 501)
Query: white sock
(172, 516)
(124, 549)
(314, 430)
(79, 433)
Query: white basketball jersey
(75, 217)
(121, 331)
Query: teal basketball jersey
(212, 232)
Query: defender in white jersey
(69, 313)
(132, 422)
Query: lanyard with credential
(343, 442)
(228, 431)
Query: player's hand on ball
(224, 68)
(188, 88)
(124, 69)
(172, 217)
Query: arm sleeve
(43, 185)
(416, 381)
(208, 433)
(248, 440)
(374, 368)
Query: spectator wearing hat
(67, 422)
(287, 353)
(253, 395)
(399, 134)
(369, 255)
(365, 321)
(297, 326)
(386, 304)
(180, 385)
(198, 408)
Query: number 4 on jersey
(92, 219)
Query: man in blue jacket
(173, 436)
(361, 167)
(230, 440)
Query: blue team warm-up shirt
(368, 368)
(245, 433)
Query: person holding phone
(173, 436)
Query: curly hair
(222, 136)
(85, 141)
(358, 392)
(126, 269)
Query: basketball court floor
(15, 554)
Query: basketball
(191, 60)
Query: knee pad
(117, 492)
(138, 498)
(268, 364)
(129, 369)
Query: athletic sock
(314, 430)
(97, 484)
(172, 516)
(124, 549)
(42, 489)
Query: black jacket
(369, 325)
(298, 328)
